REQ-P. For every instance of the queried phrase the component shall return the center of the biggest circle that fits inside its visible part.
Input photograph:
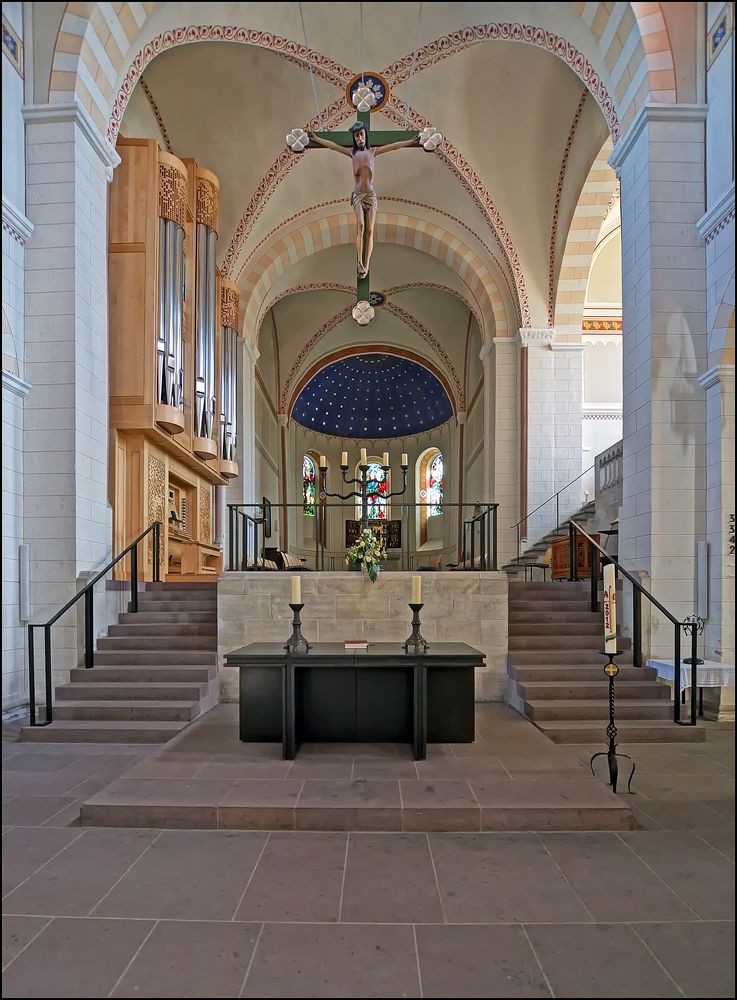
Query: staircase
(556, 677)
(515, 569)
(154, 673)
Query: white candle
(296, 590)
(363, 457)
(323, 462)
(344, 458)
(405, 463)
(417, 590)
(386, 458)
(610, 609)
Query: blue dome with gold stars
(372, 396)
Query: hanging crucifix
(363, 146)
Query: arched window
(309, 486)
(378, 488)
(430, 488)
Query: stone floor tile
(498, 877)
(374, 767)
(194, 873)
(699, 956)
(389, 878)
(334, 960)
(698, 874)
(25, 850)
(299, 877)
(266, 770)
(315, 766)
(478, 961)
(33, 810)
(721, 840)
(259, 805)
(156, 802)
(18, 932)
(611, 880)
(75, 958)
(155, 768)
(691, 815)
(447, 768)
(69, 816)
(41, 761)
(599, 960)
(192, 958)
(439, 805)
(76, 879)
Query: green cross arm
(378, 137)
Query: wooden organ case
(172, 357)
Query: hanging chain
(412, 71)
(309, 61)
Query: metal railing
(691, 626)
(556, 497)
(89, 619)
(246, 549)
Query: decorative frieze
(532, 337)
(208, 200)
(172, 191)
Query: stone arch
(422, 513)
(720, 345)
(337, 229)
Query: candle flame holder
(416, 644)
(297, 642)
(611, 670)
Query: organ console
(172, 357)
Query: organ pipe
(172, 202)
(205, 376)
(229, 303)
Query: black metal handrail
(556, 497)
(692, 626)
(243, 535)
(89, 619)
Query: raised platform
(510, 778)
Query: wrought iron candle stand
(416, 643)
(611, 670)
(297, 642)
(362, 491)
(693, 626)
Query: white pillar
(501, 438)
(660, 163)
(66, 510)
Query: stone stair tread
(131, 703)
(119, 725)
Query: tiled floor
(227, 913)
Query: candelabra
(611, 670)
(362, 482)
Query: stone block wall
(459, 607)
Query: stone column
(660, 163)
(501, 430)
(66, 510)
(537, 430)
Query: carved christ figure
(363, 199)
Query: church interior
(368, 532)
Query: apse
(372, 396)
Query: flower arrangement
(367, 552)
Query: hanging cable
(360, 8)
(309, 62)
(412, 71)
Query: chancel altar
(374, 695)
(390, 532)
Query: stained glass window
(435, 486)
(378, 487)
(309, 487)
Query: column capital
(461, 417)
(718, 374)
(651, 112)
(282, 419)
(15, 223)
(535, 337)
(73, 111)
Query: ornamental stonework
(156, 500)
(205, 516)
(172, 195)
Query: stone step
(629, 731)
(180, 607)
(144, 657)
(538, 657)
(95, 690)
(554, 588)
(582, 672)
(562, 638)
(169, 587)
(147, 629)
(167, 617)
(145, 673)
(576, 628)
(142, 643)
(139, 710)
(517, 618)
(590, 710)
(595, 690)
(556, 607)
(110, 731)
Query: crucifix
(363, 145)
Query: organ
(172, 358)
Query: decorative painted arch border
(95, 41)
(348, 352)
(399, 229)
(720, 342)
(596, 199)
